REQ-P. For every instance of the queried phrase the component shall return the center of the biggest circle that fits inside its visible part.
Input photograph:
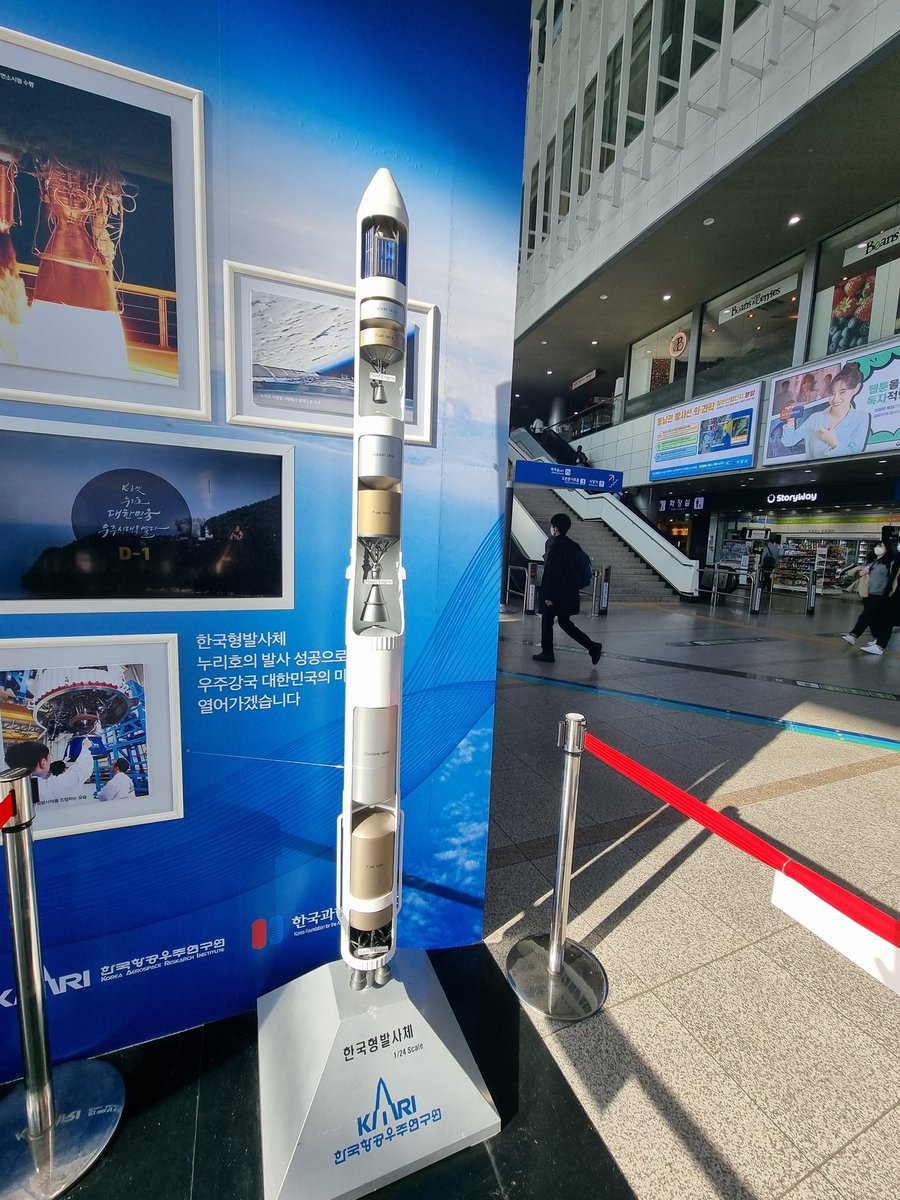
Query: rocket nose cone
(383, 196)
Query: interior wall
(302, 103)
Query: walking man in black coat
(560, 598)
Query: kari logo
(72, 982)
(266, 932)
(385, 1112)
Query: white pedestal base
(360, 1088)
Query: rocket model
(370, 825)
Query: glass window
(656, 376)
(549, 162)
(532, 207)
(565, 174)
(587, 137)
(858, 286)
(750, 330)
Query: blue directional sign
(545, 474)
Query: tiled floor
(190, 1130)
(737, 1056)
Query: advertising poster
(237, 549)
(715, 433)
(845, 407)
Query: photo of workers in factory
(82, 732)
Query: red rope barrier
(854, 907)
(7, 808)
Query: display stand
(359, 1088)
(54, 1125)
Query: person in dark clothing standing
(559, 591)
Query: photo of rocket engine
(370, 826)
(87, 244)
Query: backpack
(584, 572)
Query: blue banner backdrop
(154, 928)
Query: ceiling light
(543, 341)
(794, 220)
(604, 296)
(882, 460)
(758, 328)
(594, 342)
(709, 220)
(549, 372)
(517, 396)
(862, 246)
(879, 472)
(667, 296)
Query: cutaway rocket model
(370, 826)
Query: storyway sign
(545, 474)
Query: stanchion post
(595, 597)
(550, 973)
(27, 963)
(42, 1155)
(811, 593)
(571, 742)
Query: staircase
(631, 578)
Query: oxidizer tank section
(370, 825)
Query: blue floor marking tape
(871, 693)
(727, 714)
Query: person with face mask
(887, 614)
(873, 582)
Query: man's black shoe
(595, 652)
(543, 658)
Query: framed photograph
(96, 720)
(104, 520)
(289, 353)
(103, 289)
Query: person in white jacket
(120, 786)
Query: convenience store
(823, 529)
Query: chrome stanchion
(548, 972)
(55, 1124)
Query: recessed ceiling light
(868, 506)
(879, 472)
(882, 460)
(517, 396)
(794, 220)
(758, 328)
(604, 296)
(709, 220)
(594, 342)
(543, 341)
(667, 296)
(808, 471)
(549, 372)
